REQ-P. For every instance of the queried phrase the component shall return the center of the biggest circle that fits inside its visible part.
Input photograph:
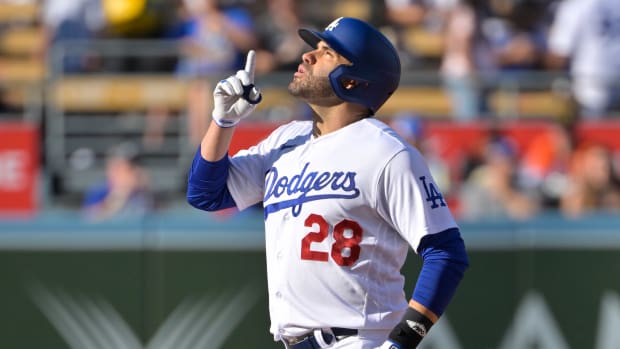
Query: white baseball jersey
(341, 211)
(588, 31)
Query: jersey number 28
(346, 247)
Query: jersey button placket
(280, 267)
(285, 223)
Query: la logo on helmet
(333, 25)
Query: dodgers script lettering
(307, 186)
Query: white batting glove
(236, 96)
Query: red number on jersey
(346, 248)
(314, 236)
(347, 238)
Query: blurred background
(514, 103)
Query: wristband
(225, 123)
(410, 330)
(389, 345)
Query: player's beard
(314, 90)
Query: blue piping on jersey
(297, 203)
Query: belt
(313, 341)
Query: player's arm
(215, 143)
(444, 263)
(234, 99)
(422, 217)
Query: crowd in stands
(498, 174)
(471, 44)
(502, 38)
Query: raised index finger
(250, 64)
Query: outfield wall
(193, 280)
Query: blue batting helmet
(375, 64)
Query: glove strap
(247, 89)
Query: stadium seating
(19, 12)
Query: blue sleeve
(96, 195)
(206, 184)
(444, 263)
(241, 18)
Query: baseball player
(344, 198)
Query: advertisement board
(19, 167)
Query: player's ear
(350, 83)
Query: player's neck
(327, 120)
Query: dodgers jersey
(341, 211)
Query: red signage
(19, 168)
(249, 134)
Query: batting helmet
(375, 62)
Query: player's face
(311, 81)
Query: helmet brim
(311, 37)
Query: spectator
(73, 20)
(413, 130)
(484, 40)
(125, 191)
(594, 183)
(213, 41)
(585, 35)
(279, 45)
(545, 163)
(214, 38)
(465, 58)
(401, 15)
(404, 15)
(517, 36)
(492, 189)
